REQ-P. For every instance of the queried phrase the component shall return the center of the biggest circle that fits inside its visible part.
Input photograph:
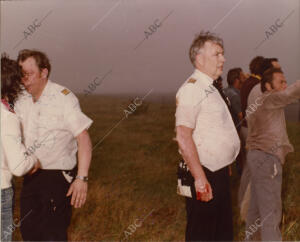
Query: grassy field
(132, 188)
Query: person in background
(208, 143)
(275, 62)
(257, 67)
(235, 78)
(255, 77)
(268, 144)
(13, 158)
(256, 90)
(243, 78)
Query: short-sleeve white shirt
(52, 123)
(201, 107)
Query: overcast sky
(96, 38)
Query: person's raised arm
(281, 99)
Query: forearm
(293, 92)
(84, 153)
(190, 155)
(19, 165)
(18, 162)
(281, 99)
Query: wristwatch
(83, 178)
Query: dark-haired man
(235, 78)
(255, 92)
(257, 67)
(275, 63)
(51, 117)
(208, 143)
(268, 145)
(255, 77)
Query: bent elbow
(181, 144)
(21, 169)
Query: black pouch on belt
(185, 181)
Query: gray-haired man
(208, 142)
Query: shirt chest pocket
(213, 106)
(213, 112)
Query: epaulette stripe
(192, 80)
(65, 91)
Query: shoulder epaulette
(65, 91)
(192, 80)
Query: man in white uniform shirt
(208, 142)
(55, 127)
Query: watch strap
(83, 178)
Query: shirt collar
(207, 79)
(45, 91)
(46, 88)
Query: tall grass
(132, 188)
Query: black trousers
(211, 221)
(45, 209)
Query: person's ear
(268, 86)
(45, 73)
(200, 59)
